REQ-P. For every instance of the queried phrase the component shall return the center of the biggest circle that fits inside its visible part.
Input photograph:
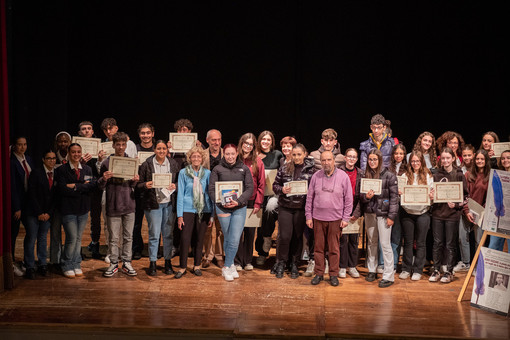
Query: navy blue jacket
(74, 201)
(18, 192)
(41, 200)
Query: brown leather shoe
(220, 263)
(205, 263)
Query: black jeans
(267, 228)
(192, 225)
(291, 224)
(349, 250)
(445, 233)
(414, 227)
(95, 214)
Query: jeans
(498, 243)
(120, 229)
(232, 224)
(160, 222)
(377, 230)
(465, 228)
(445, 233)
(415, 227)
(35, 231)
(56, 246)
(74, 225)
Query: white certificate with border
(353, 227)
(107, 147)
(297, 187)
(253, 220)
(88, 145)
(402, 181)
(123, 167)
(499, 148)
(226, 189)
(368, 184)
(161, 181)
(415, 195)
(143, 155)
(182, 142)
(445, 192)
(270, 177)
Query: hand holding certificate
(182, 142)
(161, 181)
(296, 187)
(89, 146)
(448, 192)
(123, 167)
(368, 184)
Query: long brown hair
(486, 170)
(252, 156)
(374, 173)
(422, 172)
(290, 166)
(432, 150)
(261, 135)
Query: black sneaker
(385, 283)
(334, 281)
(294, 271)
(280, 269)
(317, 279)
(371, 277)
(30, 274)
(43, 270)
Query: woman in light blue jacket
(194, 208)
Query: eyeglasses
(415, 162)
(249, 145)
(373, 160)
(377, 127)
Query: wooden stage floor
(257, 305)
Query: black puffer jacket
(303, 173)
(149, 200)
(387, 203)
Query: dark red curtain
(6, 273)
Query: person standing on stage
(62, 142)
(329, 142)
(379, 140)
(328, 210)
(287, 143)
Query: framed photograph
(143, 155)
(499, 148)
(107, 147)
(253, 220)
(226, 191)
(88, 145)
(182, 142)
(161, 181)
(445, 192)
(123, 167)
(368, 184)
(297, 187)
(270, 177)
(415, 195)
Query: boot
(152, 269)
(280, 269)
(168, 268)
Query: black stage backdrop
(293, 67)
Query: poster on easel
(491, 290)
(497, 205)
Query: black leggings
(192, 224)
(291, 224)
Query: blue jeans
(74, 225)
(232, 224)
(160, 222)
(36, 231)
(498, 243)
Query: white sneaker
(17, 270)
(107, 259)
(380, 269)
(69, 274)
(239, 268)
(227, 274)
(353, 272)
(310, 268)
(461, 267)
(404, 275)
(249, 266)
(78, 272)
(326, 266)
(444, 268)
(342, 273)
(416, 277)
(233, 270)
(128, 269)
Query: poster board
(497, 204)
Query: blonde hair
(196, 149)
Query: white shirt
(22, 158)
(162, 195)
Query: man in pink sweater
(328, 209)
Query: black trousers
(95, 214)
(291, 225)
(244, 253)
(193, 225)
(446, 233)
(349, 250)
(414, 227)
(269, 219)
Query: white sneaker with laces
(78, 272)
(112, 269)
(461, 267)
(310, 268)
(128, 269)
(234, 272)
(17, 270)
(404, 275)
(227, 274)
(416, 277)
(249, 266)
(342, 273)
(353, 272)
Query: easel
(475, 259)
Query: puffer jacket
(386, 147)
(282, 177)
(387, 203)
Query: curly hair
(183, 122)
(448, 136)
(196, 149)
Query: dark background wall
(293, 67)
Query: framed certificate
(182, 142)
(161, 181)
(368, 184)
(445, 192)
(499, 148)
(143, 155)
(253, 220)
(270, 176)
(123, 167)
(415, 195)
(226, 192)
(353, 227)
(107, 147)
(297, 187)
(88, 145)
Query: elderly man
(328, 209)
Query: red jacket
(477, 190)
(259, 182)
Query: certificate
(402, 180)
(353, 227)
(123, 167)
(107, 147)
(226, 192)
(445, 192)
(476, 210)
(161, 181)
(368, 184)
(182, 142)
(270, 176)
(297, 187)
(88, 145)
(499, 148)
(143, 155)
(415, 195)
(253, 220)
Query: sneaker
(261, 260)
(353, 272)
(310, 268)
(78, 272)
(227, 274)
(249, 266)
(380, 269)
(112, 269)
(371, 277)
(385, 283)
(239, 267)
(404, 275)
(107, 259)
(447, 277)
(233, 270)
(461, 267)
(317, 279)
(416, 277)
(18, 270)
(69, 274)
(444, 268)
(343, 273)
(435, 276)
(326, 266)
(128, 269)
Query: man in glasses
(378, 139)
(328, 210)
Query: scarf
(198, 192)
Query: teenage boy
(110, 127)
(329, 142)
(378, 139)
(120, 210)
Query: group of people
(69, 185)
